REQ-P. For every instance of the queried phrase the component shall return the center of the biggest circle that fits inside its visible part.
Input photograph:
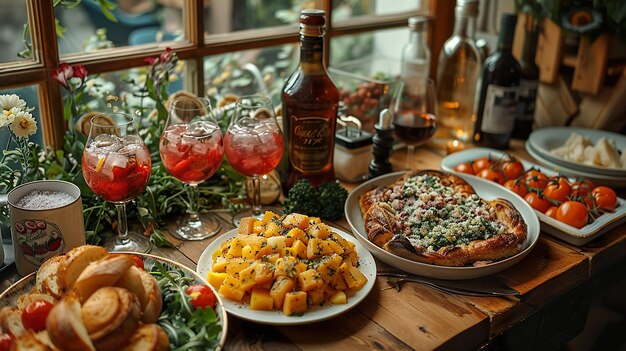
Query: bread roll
(104, 272)
(154, 299)
(49, 280)
(29, 342)
(11, 321)
(111, 316)
(66, 328)
(77, 259)
(26, 299)
(149, 337)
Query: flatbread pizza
(436, 217)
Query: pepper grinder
(383, 145)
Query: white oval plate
(599, 179)
(550, 225)
(367, 266)
(546, 139)
(485, 189)
(23, 286)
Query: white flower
(23, 125)
(10, 102)
(6, 117)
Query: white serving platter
(485, 189)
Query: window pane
(87, 27)
(235, 15)
(29, 95)
(249, 72)
(345, 9)
(123, 89)
(13, 18)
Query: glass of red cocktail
(254, 146)
(191, 149)
(116, 166)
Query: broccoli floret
(326, 201)
(332, 200)
(302, 198)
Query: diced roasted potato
(260, 299)
(281, 286)
(315, 297)
(328, 268)
(309, 280)
(236, 265)
(235, 248)
(295, 303)
(268, 216)
(299, 248)
(353, 276)
(317, 248)
(338, 298)
(263, 273)
(295, 234)
(319, 231)
(271, 229)
(230, 289)
(296, 220)
(216, 279)
(246, 225)
(277, 243)
(247, 277)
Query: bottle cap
(312, 22)
(418, 23)
(466, 8)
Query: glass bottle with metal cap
(457, 73)
(415, 60)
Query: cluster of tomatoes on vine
(576, 203)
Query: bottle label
(526, 97)
(310, 148)
(499, 112)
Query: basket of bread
(90, 299)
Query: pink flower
(150, 60)
(166, 56)
(80, 71)
(63, 73)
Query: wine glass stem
(256, 196)
(410, 151)
(194, 202)
(122, 224)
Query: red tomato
(512, 169)
(551, 212)
(138, 261)
(605, 198)
(201, 296)
(536, 202)
(517, 187)
(573, 213)
(35, 314)
(581, 189)
(6, 340)
(558, 189)
(535, 179)
(492, 175)
(482, 163)
(464, 168)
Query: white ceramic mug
(39, 234)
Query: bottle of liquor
(457, 73)
(527, 93)
(415, 59)
(498, 91)
(310, 102)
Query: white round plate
(367, 266)
(23, 286)
(485, 189)
(599, 179)
(546, 139)
(550, 225)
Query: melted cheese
(432, 215)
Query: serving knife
(474, 287)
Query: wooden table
(555, 281)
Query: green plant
(326, 201)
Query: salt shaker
(353, 151)
(383, 145)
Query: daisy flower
(23, 125)
(6, 117)
(9, 102)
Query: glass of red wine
(414, 109)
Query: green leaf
(159, 239)
(108, 14)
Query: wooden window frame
(193, 50)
